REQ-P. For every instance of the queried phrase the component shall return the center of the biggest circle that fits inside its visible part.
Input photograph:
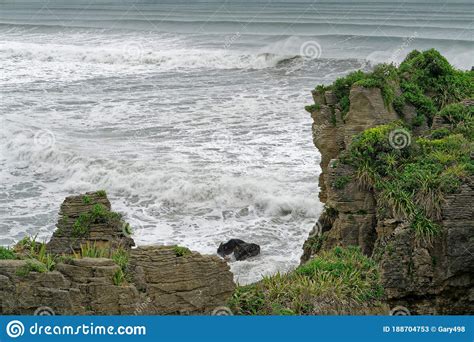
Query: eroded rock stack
(332, 133)
(151, 280)
(355, 222)
(88, 218)
(427, 277)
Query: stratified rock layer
(184, 284)
(427, 278)
(157, 280)
(437, 278)
(109, 233)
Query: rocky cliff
(89, 268)
(397, 179)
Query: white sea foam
(197, 137)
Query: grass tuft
(31, 266)
(7, 254)
(181, 251)
(340, 279)
(97, 214)
(91, 250)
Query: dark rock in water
(228, 247)
(246, 251)
(241, 249)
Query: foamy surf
(195, 128)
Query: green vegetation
(121, 258)
(341, 182)
(31, 266)
(30, 249)
(412, 182)
(81, 226)
(430, 83)
(312, 108)
(7, 254)
(66, 259)
(101, 193)
(457, 114)
(439, 133)
(119, 255)
(426, 79)
(181, 251)
(45, 258)
(384, 77)
(98, 214)
(91, 250)
(86, 199)
(27, 245)
(430, 72)
(410, 175)
(119, 278)
(315, 242)
(461, 119)
(342, 277)
(38, 260)
(342, 88)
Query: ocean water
(190, 114)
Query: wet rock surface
(240, 249)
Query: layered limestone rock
(156, 280)
(332, 133)
(88, 218)
(181, 284)
(367, 109)
(355, 221)
(427, 278)
(433, 278)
